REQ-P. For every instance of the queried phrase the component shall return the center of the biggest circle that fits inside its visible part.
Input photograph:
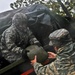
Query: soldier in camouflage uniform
(16, 38)
(65, 58)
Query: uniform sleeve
(12, 52)
(10, 39)
(49, 69)
(32, 38)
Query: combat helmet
(59, 37)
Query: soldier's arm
(44, 70)
(12, 52)
(32, 38)
(48, 69)
(10, 39)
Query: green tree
(62, 7)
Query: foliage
(53, 5)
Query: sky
(5, 5)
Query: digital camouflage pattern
(63, 65)
(16, 38)
(59, 37)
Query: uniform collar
(63, 47)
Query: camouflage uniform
(15, 39)
(64, 63)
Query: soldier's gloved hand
(38, 44)
(34, 41)
(24, 55)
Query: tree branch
(64, 8)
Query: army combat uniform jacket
(14, 42)
(63, 65)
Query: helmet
(33, 50)
(59, 37)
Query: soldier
(16, 38)
(64, 63)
